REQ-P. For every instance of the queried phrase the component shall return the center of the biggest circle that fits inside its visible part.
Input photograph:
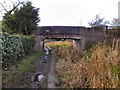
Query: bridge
(80, 35)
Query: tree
(27, 18)
(8, 8)
(98, 21)
(8, 22)
(23, 20)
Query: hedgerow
(15, 47)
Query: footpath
(45, 75)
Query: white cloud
(74, 12)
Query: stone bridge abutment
(79, 44)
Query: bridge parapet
(69, 30)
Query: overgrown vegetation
(19, 75)
(112, 34)
(98, 68)
(14, 47)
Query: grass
(98, 68)
(62, 43)
(15, 74)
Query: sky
(74, 12)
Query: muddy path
(52, 77)
(44, 77)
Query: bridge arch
(80, 35)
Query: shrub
(15, 47)
(28, 42)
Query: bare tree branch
(98, 21)
(15, 5)
(3, 7)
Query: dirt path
(45, 73)
(52, 79)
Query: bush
(28, 43)
(15, 47)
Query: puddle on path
(45, 58)
(43, 62)
(38, 77)
(47, 50)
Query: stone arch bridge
(80, 35)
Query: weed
(97, 69)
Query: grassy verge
(19, 75)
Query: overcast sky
(74, 12)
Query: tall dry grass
(99, 68)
